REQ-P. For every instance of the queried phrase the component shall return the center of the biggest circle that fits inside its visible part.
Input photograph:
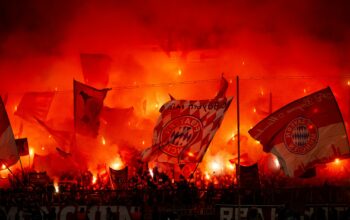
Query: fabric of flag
(185, 129)
(245, 160)
(307, 131)
(40, 178)
(249, 176)
(88, 103)
(35, 105)
(223, 88)
(119, 177)
(22, 146)
(96, 69)
(63, 138)
(8, 148)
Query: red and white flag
(88, 103)
(307, 131)
(8, 148)
(185, 129)
(96, 69)
(35, 105)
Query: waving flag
(185, 129)
(119, 177)
(35, 105)
(22, 146)
(96, 69)
(8, 148)
(307, 131)
(63, 138)
(88, 103)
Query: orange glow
(257, 142)
(151, 172)
(207, 176)
(231, 166)
(215, 166)
(57, 189)
(31, 152)
(254, 110)
(276, 162)
(190, 154)
(337, 161)
(15, 108)
(179, 72)
(304, 90)
(3, 166)
(103, 141)
(348, 82)
(143, 142)
(94, 179)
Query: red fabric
(88, 103)
(307, 131)
(35, 105)
(63, 138)
(22, 146)
(8, 148)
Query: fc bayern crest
(179, 133)
(300, 136)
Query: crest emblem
(300, 136)
(179, 133)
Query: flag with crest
(305, 132)
(185, 129)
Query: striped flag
(8, 148)
(307, 131)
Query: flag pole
(12, 173)
(238, 171)
(270, 104)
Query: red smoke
(288, 48)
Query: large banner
(72, 212)
(275, 212)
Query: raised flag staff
(238, 150)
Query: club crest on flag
(179, 133)
(301, 136)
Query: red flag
(63, 138)
(40, 178)
(63, 153)
(185, 129)
(305, 132)
(119, 177)
(22, 146)
(8, 148)
(245, 160)
(35, 105)
(96, 69)
(88, 103)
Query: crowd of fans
(156, 191)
